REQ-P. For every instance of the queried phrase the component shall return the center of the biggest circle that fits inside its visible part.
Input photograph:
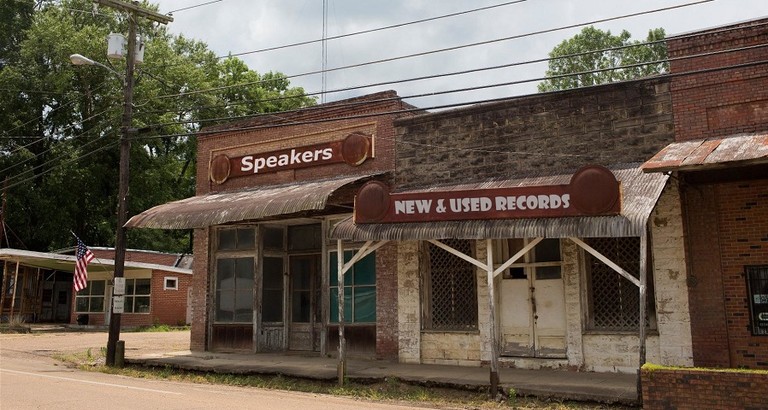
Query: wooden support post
(342, 366)
(643, 297)
(492, 319)
(4, 290)
(15, 286)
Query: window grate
(757, 283)
(452, 289)
(615, 300)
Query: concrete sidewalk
(558, 384)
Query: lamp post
(125, 147)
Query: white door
(532, 302)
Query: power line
(170, 13)
(441, 50)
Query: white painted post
(342, 366)
(492, 318)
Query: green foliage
(596, 57)
(61, 123)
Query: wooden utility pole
(134, 12)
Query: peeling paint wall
(408, 302)
(670, 275)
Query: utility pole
(134, 12)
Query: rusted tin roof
(708, 153)
(639, 195)
(233, 206)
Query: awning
(639, 195)
(743, 149)
(234, 206)
(66, 263)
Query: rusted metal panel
(250, 204)
(640, 192)
(710, 153)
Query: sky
(243, 27)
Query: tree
(595, 57)
(61, 123)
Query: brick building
(37, 287)
(721, 162)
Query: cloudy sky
(244, 27)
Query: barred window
(757, 286)
(615, 301)
(450, 289)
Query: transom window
(543, 261)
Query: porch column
(492, 320)
(3, 290)
(15, 286)
(342, 366)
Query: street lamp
(122, 195)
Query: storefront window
(91, 299)
(234, 290)
(757, 284)
(615, 301)
(451, 289)
(359, 289)
(137, 294)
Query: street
(31, 379)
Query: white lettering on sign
(251, 163)
(525, 202)
(410, 207)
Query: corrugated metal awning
(234, 206)
(744, 149)
(639, 195)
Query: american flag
(84, 256)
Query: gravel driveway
(47, 342)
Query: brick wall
(610, 124)
(703, 389)
(386, 306)
(721, 102)
(200, 281)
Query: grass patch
(15, 325)
(391, 390)
(654, 367)
(160, 328)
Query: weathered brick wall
(703, 389)
(720, 102)
(200, 281)
(728, 230)
(408, 303)
(386, 302)
(610, 124)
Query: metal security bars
(757, 283)
(451, 286)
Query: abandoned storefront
(268, 190)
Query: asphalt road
(31, 379)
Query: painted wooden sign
(355, 149)
(593, 190)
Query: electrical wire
(170, 13)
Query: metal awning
(640, 192)
(742, 149)
(66, 263)
(249, 204)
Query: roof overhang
(66, 263)
(711, 153)
(244, 205)
(640, 192)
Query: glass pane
(227, 239)
(273, 238)
(547, 272)
(130, 286)
(141, 304)
(334, 269)
(97, 287)
(334, 305)
(304, 237)
(225, 274)
(225, 306)
(300, 306)
(244, 306)
(365, 304)
(246, 238)
(143, 287)
(244, 272)
(272, 306)
(365, 270)
(300, 279)
(97, 304)
(548, 250)
(81, 304)
(273, 273)
(128, 304)
(517, 273)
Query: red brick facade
(726, 210)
